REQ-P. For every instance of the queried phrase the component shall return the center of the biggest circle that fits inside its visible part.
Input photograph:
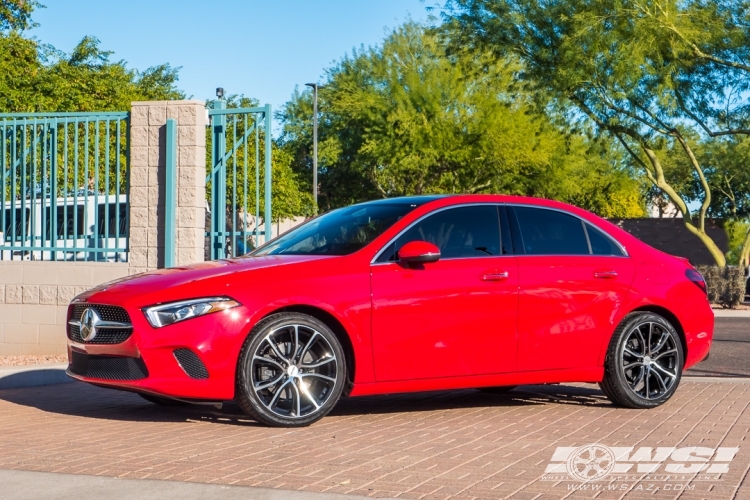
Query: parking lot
(461, 444)
(730, 350)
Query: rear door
(573, 281)
(453, 317)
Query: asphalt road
(730, 352)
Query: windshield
(339, 232)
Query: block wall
(34, 295)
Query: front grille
(108, 336)
(191, 363)
(107, 367)
(107, 313)
(103, 335)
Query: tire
(501, 389)
(291, 371)
(158, 400)
(644, 362)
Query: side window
(601, 244)
(387, 255)
(66, 222)
(472, 231)
(116, 224)
(9, 230)
(549, 232)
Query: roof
(411, 200)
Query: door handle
(605, 275)
(495, 276)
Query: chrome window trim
(625, 254)
(584, 221)
(458, 258)
(442, 209)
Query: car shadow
(83, 400)
(33, 378)
(530, 395)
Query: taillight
(696, 278)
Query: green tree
(727, 162)
(403, 118)
(287, 199)
(35, 77)
(657, 75)
(16, 14)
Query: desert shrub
(726, 286)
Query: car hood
(176, 282)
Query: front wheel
(291, 371)
(644, 362)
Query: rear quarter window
(602, 244)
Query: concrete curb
(15, 377)
(715, 380)
(28, 485)
(730, 313)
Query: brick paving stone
(460, 444)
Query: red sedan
(401, 295)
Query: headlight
(174, 312)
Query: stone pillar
(147, 176)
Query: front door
(453, 317)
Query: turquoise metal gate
(237, 137)
(63, 181)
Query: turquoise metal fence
(238, 137)
(170, 193)
(64, 186)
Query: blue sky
(258, 48)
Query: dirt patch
(32, 360)
(741, 307)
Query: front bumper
(194, 359)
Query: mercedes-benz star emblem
(89, 320)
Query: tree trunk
(715, 251)
(745, 252)
(700, 231)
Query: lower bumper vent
(191, 363)
(107, 367)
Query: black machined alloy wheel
(291, 371)
(644, 362)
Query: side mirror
(419, 251)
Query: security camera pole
(315, 88)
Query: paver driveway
(461, 444)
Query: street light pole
(315, 142)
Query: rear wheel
(644, 362)
(291, 371)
